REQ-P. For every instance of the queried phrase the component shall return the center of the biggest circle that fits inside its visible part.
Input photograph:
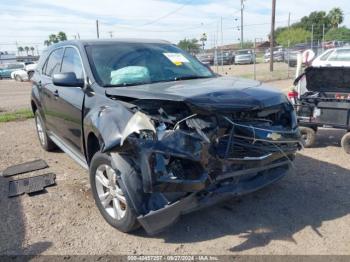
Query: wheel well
(93, 146)
(34, 107)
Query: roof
(110, 41)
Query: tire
(345, 143)
(18, 78)
(308, 135)
(30, 75)
(108, 191)
(46, 143)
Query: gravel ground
(14, 95)
(308, 212)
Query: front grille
(241, 148)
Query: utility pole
(222, 45)
(242, 8)
(78, 36)
(312, 36)
(110, 34)
(97, 30)
(323, 29)
(272, 35)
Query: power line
(166, 15)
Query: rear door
(49, 95)
(70, 101)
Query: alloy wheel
(109, 192)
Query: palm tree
(32, 49)
(27, 49)
(20, 50)
(336, 17)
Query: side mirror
(67, 79)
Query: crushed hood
(217, 93)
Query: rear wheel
(18, 78)
(30, 75)
(108, 192)
(308, 135)
(45, 141)
(345, 143)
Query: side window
(53, 64)
(72, 63)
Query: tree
(20, 50)
(336, 17)
(192, 46)
(248, 44)
(316, 20)
(293, 35)
(53, 39)
(340, 34)
(27, 49)
(32, 49)
(61, 36)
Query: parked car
(24, 74)
(224, 58)
(333, 57)
(206, 58)
(246, 56)
(278, 54)
(6, 70)
(159, 132)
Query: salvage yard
(308, 212)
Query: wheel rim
(109, 192)
(40, 130)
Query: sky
(29, 22)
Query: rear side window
(53, 64)
(72, 63)
(341, 55)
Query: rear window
(325, 56)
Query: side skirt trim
(69, 151)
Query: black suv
(159, 132)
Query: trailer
(323, 101)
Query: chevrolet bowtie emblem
(274, 136)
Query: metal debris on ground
(31, 184)
(24, 168)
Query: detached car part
(31, 184)
(24, 168)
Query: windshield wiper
(128, 84)
(190, 77)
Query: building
(6, 58)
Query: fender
(112, 131)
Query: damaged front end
(189, 158)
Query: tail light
(293, 95)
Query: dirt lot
(14, 95)
(281, 71)
(308, 212)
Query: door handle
(55, 93)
